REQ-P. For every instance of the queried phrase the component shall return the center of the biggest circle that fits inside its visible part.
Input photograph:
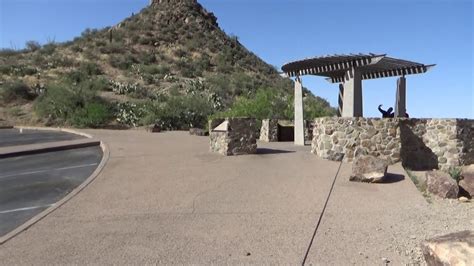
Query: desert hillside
(169, 64)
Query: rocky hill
(169, 63)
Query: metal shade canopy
(371, 66)
(349, 71)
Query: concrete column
(400, 104)
(299, 125)
(352, 98)
(340, 100)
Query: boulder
(452, 249)
(467, 181)
(367, 168)
(441, 184)
(154, 128)
(198, 132)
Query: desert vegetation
(169, 64)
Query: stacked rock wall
(269, 130)
(238, 137)
(465, 133)
(419, 143)
(345, 138)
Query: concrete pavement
(163, 198)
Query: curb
(56, 129)
(40, 216)
(20, 150)
(6, 127)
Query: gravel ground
(440, 217)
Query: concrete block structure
(233, 136)
(275, 130)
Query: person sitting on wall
(388, 113)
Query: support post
(340, 100)
(352, 101)
(298, 123)
(400, 104)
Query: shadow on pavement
(271, 151)
(392, 178)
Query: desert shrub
(95, 84)
(95, 114)
(455, 173)
(76, 48)
(58, 60)
(113, 48)
(316, 107)
(15, 91)
(18, 70)
(123, 62)
(32, 46)
(48, 49)
(58, 102)
(146, 58)
(76, 76)
(129, 113)
(266, 103)
(91, 69)
(179, 112)
(203, 63)
(9, 52)
(77, 106)
(123, 88)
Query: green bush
(74, 105)
(113, 48)
(123, 62)
(316, 107)
(91, 69)
(93, 115)
(266, 103)
(18, 70)
(179, 112)
(455, 173)
(15, 91)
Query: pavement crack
(321, 216)
(209, 190)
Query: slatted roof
(371, 65)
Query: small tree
(32, 46)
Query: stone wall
(420, 144)
(344, 138)
(233, 136)
(269, 130)
(465, 133)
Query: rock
(463, 199)
(467, 181)
(441, 184)
(198, 132)
(154, 128)
(368, 169)
(452, 249)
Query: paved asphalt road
(30, 184)
(12, 137)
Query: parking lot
(30, 184)
(13, 137)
